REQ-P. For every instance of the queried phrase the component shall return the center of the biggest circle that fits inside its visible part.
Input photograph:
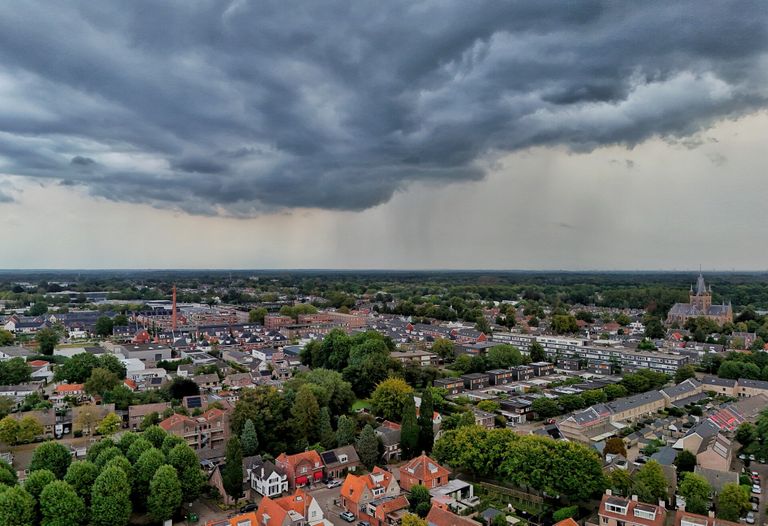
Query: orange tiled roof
(352, 488)
(234, 521)
(424, 468)
(170, 422)
(37, 363)
(69, 388)
(311, 456)
(567, 522)
(441, 517)
(297, 502)
(271, 508)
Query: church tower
(702, 298)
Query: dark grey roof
(637, 400)
(683, 387)
(722, 382)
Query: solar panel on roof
(194, 401)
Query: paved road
(762, 470)
(327, 499)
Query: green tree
(78, 368)
(7, 474)
(257, 315)
(411, 519)
(144, 470)
(306, 413)
(29, 429)
(367, 447)
(17, 507)
(745, 434)
(443, 348)
(325, 431)
(155, 435)
(536, 353)
(409, 431)
(695, 490)
(101, 381)
(614, 391)
(109, 425)
(685, 372)
(232, 472)
(649, 483)
(620, 482)
(53, 456)
(81, 476)
(685, 461)
(112, 363)
(6, 338)
(60, 505)
(390, 397)
(36, 481)
(122, 464)
(14, 371)
(111, 498)
(9, 430)
(47, 339)
(149, 420)
(503, 356)
(346, 430)
(271, 414)
(565, 513)
(420, 500)
(95, 449)
(545, 407)
(187, 465)
(107, 455)
(170, 442)
(164, 494)
(564, 324)
(426, 427)
(249, 439)
(121, 320)
(104, 326)
(732, 502)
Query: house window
(615, 508)
(643, 514)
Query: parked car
(347, 516)
(755, 506)
(756, 489)
(251, 506)
(363, 523)
(750, 518)
(334, 484)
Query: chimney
(662, 504)
(173, 310)
(609, 492)
(711, 514)
(634, 498)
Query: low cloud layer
(242, 107)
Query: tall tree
(187, 465)
(104, 326)
(34, 484)
(409, 429)
(536, 352)
(47, 339)
(346, 431)
(367, 447)
(732, 502)
(9, 430)
(306, 413)
(426, 427)
(443, 348)
(155, 435)
(683, 373)
(29, 429)
(111, 498)
(420, 500)
(649, 483)
(164, 494)
(7, 474)
(389, 398)
(17, 507)
(109, 425)
(100, 381)
(81, 476)
(137, 449)
(143, 471)
(685, 461)
(60, 505)
(53, 456)
(232, 472)
(325, 431)
(249, 439)
(695, 490)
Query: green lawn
(361, 404)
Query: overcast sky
(537, 135)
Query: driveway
(327, 499)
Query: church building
(700, 305)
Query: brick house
(619, 511)
(500, 376)
(475, 380)
(136, 413)
(440, 515)
(340, 461)
(302, 468)
(425, 471)
(207, 434)
(375, 497)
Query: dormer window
(644, 514)
(343, 458)
(616, 508)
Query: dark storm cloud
(240, 107)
